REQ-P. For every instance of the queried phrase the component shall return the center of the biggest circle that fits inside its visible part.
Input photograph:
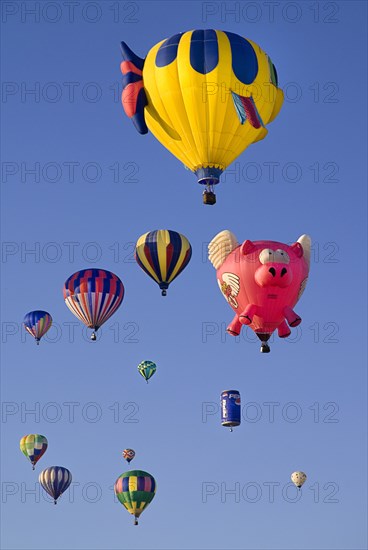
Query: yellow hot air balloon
(206, 95)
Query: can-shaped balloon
(230, 408)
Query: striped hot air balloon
(33, 446)
(147, 369)
(135, 490)
(128, 454)
(55, 481)
(93, 295)
(37, 323)
(163, 254)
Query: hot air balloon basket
(209, 198)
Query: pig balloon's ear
(247, 248)
(220, 247)
(298, 249)
(306, 243)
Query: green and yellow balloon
(33, 446)
(135, 490)
(147, 369)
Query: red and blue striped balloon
(93, 295)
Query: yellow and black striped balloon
(163, 254)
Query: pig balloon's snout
(272, 270)
(273, 275)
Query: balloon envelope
(135, 490)
(128, 454)
(93, 295)
(206, 95)
(163, 254)
(230, 408)
(298, 478)
(37, 323)
(147, 369)
(33, 446)
(262, 281)
(55, 481)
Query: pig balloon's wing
(232, 281)
(306, 243)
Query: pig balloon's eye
(266, 255)
(281, 256)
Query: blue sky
(96, 187)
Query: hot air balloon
(163, 254)
(230, 409)
(262, 281)
(147, 369)
(298, 478)
(206, 95)
(37, 323)
(93, 295)
(33, 446)
(55, 481)
(128, 454)
(135, 490)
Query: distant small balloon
(135, 490)
(55, 481)
(128, 454)
(37, 323)
(93, 295)
(230, 409)
(33, 446)
(147, 369)
(298, 478)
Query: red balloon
(262, 281)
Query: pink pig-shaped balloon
(262, 281)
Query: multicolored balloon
(37, 323)
(298, 478)
(262, 281)
(128, 454)
(206, 95)
(163, 254)
(55, 481)
(93, 295)
(33, 446)
(135, 490)
(147, 369)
